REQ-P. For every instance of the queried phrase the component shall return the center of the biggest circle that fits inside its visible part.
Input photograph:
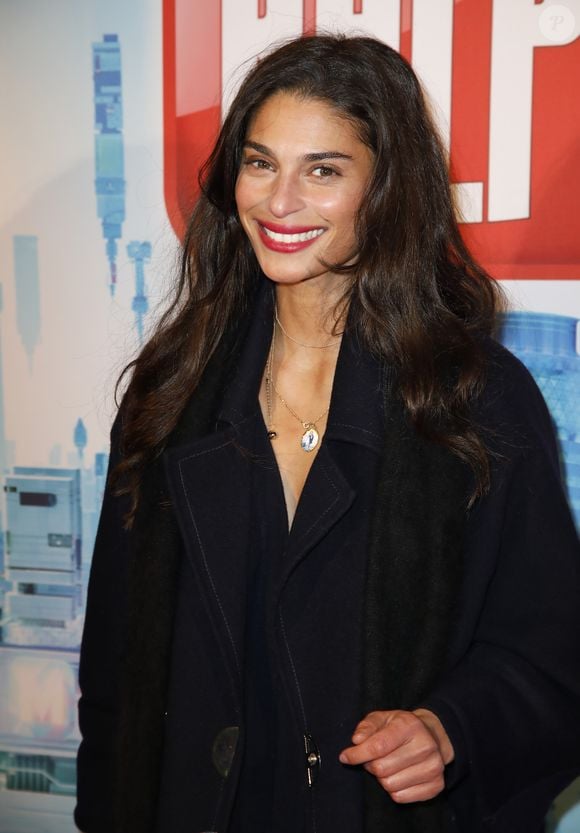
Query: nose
(286, 195)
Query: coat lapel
(209, 473)
(322, 504)
(210, 484)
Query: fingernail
(342, 758)
(357, 736)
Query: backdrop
(108, 109)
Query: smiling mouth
(299, 237)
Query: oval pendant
(310, 438)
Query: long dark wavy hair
(416, 296)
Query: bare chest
(294, 463)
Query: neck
(307, 313)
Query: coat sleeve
(101, 657)
(511, 702)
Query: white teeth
(292, 238)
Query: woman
(335, 582)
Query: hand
(406, 752)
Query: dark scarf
(413, 581)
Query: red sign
(505, 76)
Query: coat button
(224, 749)
(313, 759)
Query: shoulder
(511, 410)
(509, 384)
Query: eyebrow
(308, 157)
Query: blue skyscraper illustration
(80, 438)
(27, 291)
(43, 557)
(548, 346)
(139, 253)
(109, 153)
(101, 465)
(55, 455)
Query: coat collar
(240, 396)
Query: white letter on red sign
(432, 61)
(377, 18)
(432, 55)
(246, 31)
(518, 27)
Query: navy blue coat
(474, 615)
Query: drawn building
(139, 253)
(101, 465)
(39, 659)
(38, 732)
(27, 291)
(43, 557)
(109, 152)
(80, 439)
(548, 346)
(40, 639)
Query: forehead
(288, 118)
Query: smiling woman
(300, 217)
(349, 578)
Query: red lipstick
(287, 246)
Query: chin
(283, 276)
(285, 280)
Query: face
(303, 175)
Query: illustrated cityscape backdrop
(49, 514)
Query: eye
(257, 163)
(324, 171)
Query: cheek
(341, 209)
(350, 209)
(249, 192)
(345, 221)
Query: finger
(428, 771)
(378, 745)
(420, 792)
(396, 728)
(420, 751)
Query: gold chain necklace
(311, 436)
(299, 343)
